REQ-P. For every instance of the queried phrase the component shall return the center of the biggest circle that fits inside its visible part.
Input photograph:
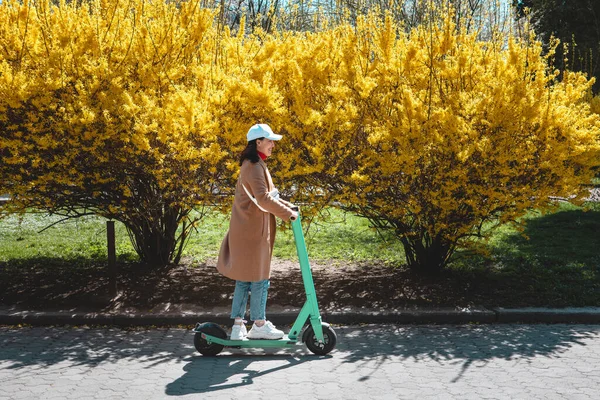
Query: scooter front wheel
(202, 345)
(329, 340)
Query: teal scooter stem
(319, 337)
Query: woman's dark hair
(250, 152)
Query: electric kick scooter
(320, 338)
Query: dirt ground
(48, 285)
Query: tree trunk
(155, 238)
(426, 255)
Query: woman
(245, 254)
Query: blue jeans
(258, 299)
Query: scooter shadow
(211, 374)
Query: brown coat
(246, 251)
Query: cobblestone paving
(370, 362)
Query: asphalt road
(499, 361)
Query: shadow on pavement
(210, 374)
(361, 350)
(43, 347)
(369, 347)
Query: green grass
(566, 239)
(334, 236)
(341, 237)
(25, 237)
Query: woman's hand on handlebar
(294, 216)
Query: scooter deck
(283, 342)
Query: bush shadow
(40, 282)
(83, 285)
(369, 347)
(554, 262)
(570, 235)
(361, 351)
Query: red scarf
(262, 156)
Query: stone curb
(481, 315)
(579, 315)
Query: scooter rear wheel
(329, 340)
(202, 345)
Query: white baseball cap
(259, 131)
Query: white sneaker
(267, 331)
(238, 332)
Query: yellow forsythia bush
(106, 107)
(441, 132)
(137, 111)
(595, 104)
(433, 134)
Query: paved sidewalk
(498, 361)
